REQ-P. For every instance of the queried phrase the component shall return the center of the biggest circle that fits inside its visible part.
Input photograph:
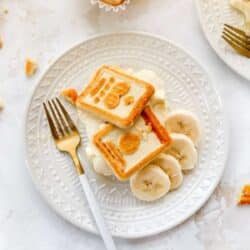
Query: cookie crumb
(30, 67)
(1, 43)
(1, 104)
(70, 95)
(245, 195)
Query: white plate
(213, 15)
(187, 86)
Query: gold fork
(237, 39)
(67, 139)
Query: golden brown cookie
(108, 80)
(125, 151)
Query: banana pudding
(92, 124)
(142, 153)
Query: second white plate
(213, 15)
(187, 86)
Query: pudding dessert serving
(132, 132)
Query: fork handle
(94, 207)
(96, 212)
(77, 163)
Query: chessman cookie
(115, 96)
(129, 150)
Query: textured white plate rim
(201, 202)
(24, 139)
(214, 47)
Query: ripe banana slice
(150, 183)
(172, 168)
(183, 122)
(182, 148)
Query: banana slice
(150, 183)
(183, 122)
(172, 168)
(182, 148)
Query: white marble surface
(43, 30)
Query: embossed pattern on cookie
(121, 88)
(115, 152)
(94, 90)
(129, 143)
(129, 100)
(111, 100)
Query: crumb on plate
(70, 95)
(1, 104)
(245, 195)
(1, 43)
(30, 67)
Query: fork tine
(65, 127)
(236, 38)
(239, 49)
(66, 115)
(238, 31)
(51, 123)
(58, 124)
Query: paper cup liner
(109, 7)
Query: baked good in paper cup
(111, 5)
